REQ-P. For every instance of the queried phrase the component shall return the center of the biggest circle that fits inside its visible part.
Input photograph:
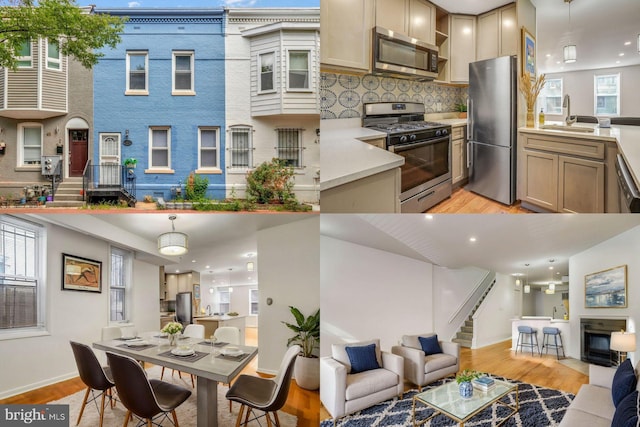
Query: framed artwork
(196, 292)
(81, 274)
(528, 54)
(606, 289)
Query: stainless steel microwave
(397, 54)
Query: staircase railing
(108, 177)
(56, 179)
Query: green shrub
(196, 187)
(271, 182)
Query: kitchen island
(211, 323)
(539, 322)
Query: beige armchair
(421, 369)
(343, 393)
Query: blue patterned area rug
(539, 406)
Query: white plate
(179, 352)
(231, 351)
(128, 337)
(136, 343)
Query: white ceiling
(599, 30)
(504, 242)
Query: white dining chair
(228, 334)
(111, 333)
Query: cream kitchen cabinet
(497, 33)
(459, 170)
(171, 281)
(462, 39)
(183, 282)
(415, 18)
(377, 142)
(345, 34)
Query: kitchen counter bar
(539, 322)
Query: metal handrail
(55, 183)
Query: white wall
(492, 321)
(544, 303)
(30, 363)
(367, 293)
(579, 86)
(451, 287)
(620, 250)
(289, 274)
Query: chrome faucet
(208, 310)
(567, 104)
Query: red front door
(78, 151)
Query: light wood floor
(302, 403)
(498, 359)
(463, 201)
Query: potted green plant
(307, 335)
(130, 163)
(464, 378)
(462, 110)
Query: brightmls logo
(34, 415)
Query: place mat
(127, 339)
(137, 347)
(234, 358)
(193, 358)
(218, 344)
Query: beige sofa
(420, 369)
(593, 405)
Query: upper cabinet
(415, 18)
(498, 33)
(422, 21)
(345, 34)
(462, 39)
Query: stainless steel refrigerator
(184, 314)
(491, 128)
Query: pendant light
(527, 288)
(173, 242)
(569, 52)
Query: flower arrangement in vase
(531, 89)
(172, 329)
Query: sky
(199, 3)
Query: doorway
(78, 151)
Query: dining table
(209, 369)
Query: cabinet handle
(426, 195)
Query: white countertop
(224, 317)
(345, 158)
(453, 122)
(627, 138)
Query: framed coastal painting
(606, 289)
(528, 54)
(81, 274)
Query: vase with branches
(531, 89)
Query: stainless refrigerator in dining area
(492, 128)
(184, 308)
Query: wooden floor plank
(463, 201)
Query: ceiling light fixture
(527, 288)
(627, 43)
(173, 243)
(472, 239)
(570, 53)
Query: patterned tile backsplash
(342, 95)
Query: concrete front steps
(68, 195)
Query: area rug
(186, 412)
(539, 406)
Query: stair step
(73, 191)
(468, 323)
(467, 329)
(65, 204)
(463, 343)
(464, 336)
(68, 197)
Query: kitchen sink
(567, 128)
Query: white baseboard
(29, 387)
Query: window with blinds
(21, 291)
(253, 301)
(298, 75)
(289, 146)
(224, 306)
(30, 139)
(208, 147)
(160, 144)
(241, 147)
(119, 281)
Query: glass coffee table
(446, 400)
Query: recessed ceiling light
(207, 266)
(193, 260)
(551, 268)
(548, 55)
(428, 216)
(627, 43)
(621, 54)
(177, 271)
(617, 62)
(472, 239)
(250, 254)
(557, 62)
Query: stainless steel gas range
(425, 146)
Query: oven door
(426, 164)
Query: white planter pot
(307, 372)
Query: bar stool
(532, 334)
(555, 332)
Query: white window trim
(146, 73)
(159, 169)
(26, 58)
(251, 302)
(207, 169)
(57, 60)
(595, 95)
(128, 297)
(20, 156)
(310, 88)
(544, 103)
(41, 266)
(259, 76)
(230, 146)
(182, 92)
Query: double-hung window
(241, 146)
(137, 73)
(24, 57)
(160, 147)
(54, 58)
(298, 72)
(22, 288)
(266, 65)
(183, 75)
(289, 146)
(30, 144)
(551, 99)
(607, 95)
(119, 279)
(253, 301)
(224, 295)
(208, 147)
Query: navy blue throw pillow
(362, 358)
(624, 382)
(430, 345)
(626, 414)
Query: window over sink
(551, 97)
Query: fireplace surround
(595, 337)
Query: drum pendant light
(173, 243)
